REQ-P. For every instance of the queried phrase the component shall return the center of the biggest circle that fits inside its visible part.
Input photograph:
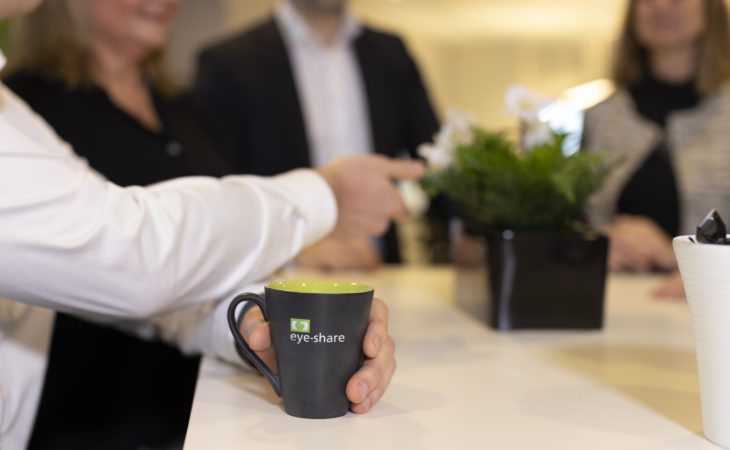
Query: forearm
(201, 330)
(74, 242)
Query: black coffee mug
(317, 330)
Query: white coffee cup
(705, 270)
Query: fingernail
(363, 390)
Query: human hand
(369, 383)
(638, 244)
(468, 250)
(340, 254)
(367, 199)
(255, 330)
(671, 289)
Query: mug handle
(243, 345)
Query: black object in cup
(712, 230)
(317, 329)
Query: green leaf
(493, 184)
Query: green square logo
(299, 325)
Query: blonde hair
(54, 40)
(714, 57)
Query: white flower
(438, 158)
(457, 130)
(524, 104)
(527, 107)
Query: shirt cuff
(316, 202)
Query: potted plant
(525, 197)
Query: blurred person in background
(667, 126)
(93, 69)
(309, 84)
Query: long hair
(713, 70)
(54, 40)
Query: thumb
(404, 170)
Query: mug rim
(331, 287)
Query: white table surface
(459, 385)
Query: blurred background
(469, 51)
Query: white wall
(469, 50)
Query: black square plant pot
(545, 280)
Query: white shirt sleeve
(72, 241)
(200, 330)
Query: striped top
(699, 145)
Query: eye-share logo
(299, 325)
(300, 329)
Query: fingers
(359, 226)
(255, 330)
(403, 169)
(362, 224)
(379, 191)
(615, 260)
(362, 254)
(629, 256)
(340, 254)
(377, 331)
(672, 288)
(396, 207)
(664, 257)
(369, 383)
(366, 196)
(638, 244)
(380, 202)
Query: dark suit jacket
(246, 84)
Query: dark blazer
(246, 84)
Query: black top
(104, 388)
(246, 84)
(652, 190)
(118, 145)
(655, 99)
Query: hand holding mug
(361, 390)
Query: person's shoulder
(385, 49)
(617, 102)
(384, 39)
(30, 81)
(714, 107)
(248, 43)
(37, 90)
